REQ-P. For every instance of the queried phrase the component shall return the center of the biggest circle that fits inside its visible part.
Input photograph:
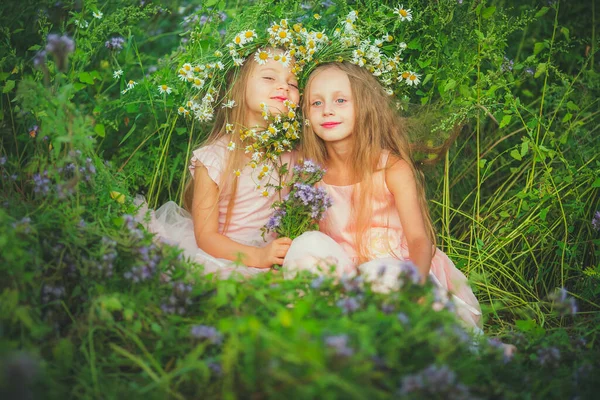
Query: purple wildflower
(2, 160)
(41, 183)
(507, 64)
(327, 3)
(549, 357)
(434, 382)
(317, 282)
(529, 71)
(403, 318)
(115, 44)
(339, 344)
(348, 305)
(596, 221)
(39, 59)
(222, 15)
(23, 225)
(215, 368)
(562, 303)
(387, 308)
(209, 333)
(60, 47)
(352, 285)
(52, 293)
(179, 299)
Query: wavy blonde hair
(235, 89)
(377, 127)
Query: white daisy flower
(97, 14)
(238, 62)
(413, 79)
(405, 14)
(164, 89)
(237, 173)
(131, 84)
(220, 66)
(262, 56)
(229, 104)
(229, 128)
(124, 91)
(285, 59)
(231, 146)
(181, 110)
(117, 74)
(198, 83)
(239, 40)
(249, 35)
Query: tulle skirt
(173, 225)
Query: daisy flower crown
(303, 48)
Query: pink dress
(250, 213)
(385, 239)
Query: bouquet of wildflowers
(303, 207)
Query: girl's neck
(338, 155)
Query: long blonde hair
(235, 90)
(377, 127)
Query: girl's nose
(284, 85)
(327, 109)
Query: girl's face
(271, 83)
(331, 107)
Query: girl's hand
(273, 253)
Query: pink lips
(330, 124)
(280, 98)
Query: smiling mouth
(330, 124)
(280, 98)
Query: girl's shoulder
(399, 174)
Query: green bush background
(511, 90)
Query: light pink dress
(386, 239)
(385, 244)
(250, 212)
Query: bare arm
(401, 182)
(205, 215)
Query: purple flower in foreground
(549, 357)
(434, 382)
(2, 160)
(403, 318)
(596, 221)
(60, 47)
(339, 343)
(348, 305)
(115, 43)
(317, 282)
(563, 303)
(507, 65)
(41, 183)
(209, 333)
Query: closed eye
(268, 78)
(293, 85)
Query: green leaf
(524, 148)
(450, 84)
(10, 85)
(544, 213)
(425, 63)
(596, 183)
(505, 120)
(78, 86)
(99, 129)
(542, 12)
(482, 163)
(565, 32)
(488, 12)
(427, 79)
(567, 117)
(541, 68)
(572, 106)
(86, 77)
(538, 47)
(516, 155)
(414, 44)
(35, 47)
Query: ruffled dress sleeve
(213, 157)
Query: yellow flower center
(237, 40)
(275, 28)
(263, 55)
(265, 169)
(405, 75)
(187, 67)
(249, 34)
(412, 77)
(403, 12)
(319, 35)
(283, 34)
(164, 87)
(265, 193)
